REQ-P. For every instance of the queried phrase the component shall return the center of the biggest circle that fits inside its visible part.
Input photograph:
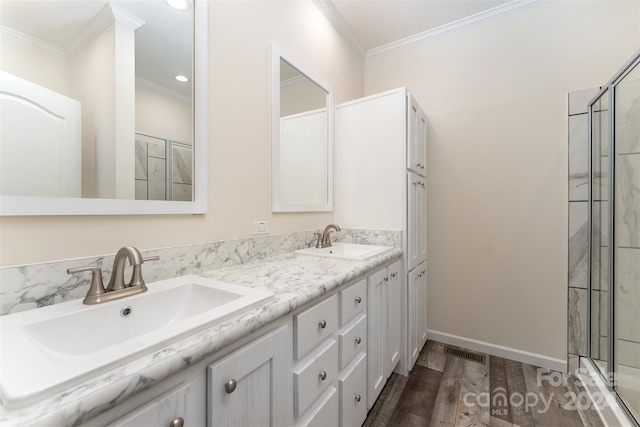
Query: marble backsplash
(31, 286)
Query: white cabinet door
(393, 341)
(252, 386)
(416, 220)
(376, 289)
(422, 308)
(417, 300)
(179, 405)
(413, 285)
(416, 138)
(422, 220)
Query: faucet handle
(96, 289)
(136, 278)
(319, 241)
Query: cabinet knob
(358, 398)
(323, 324)
(386, 278)
(358, 340)
(230, 386)
(424, 272)
(393, 274)
(323, 375)
(178, 422)
(419, 165)
(358, 300)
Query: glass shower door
(626, 258)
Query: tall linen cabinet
(380, 178)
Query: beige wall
(239, 165)
(163, 115)
(495, 96)
(35, 63)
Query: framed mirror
(94, 117)
(302, 139)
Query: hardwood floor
(446, 390)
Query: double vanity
(293, 339)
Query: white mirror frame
(33, 206)
(277, 53)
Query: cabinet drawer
(353, 301)
(353, 340)
(326, 413)
(312, 377)
(162, 411)
(314, 325)
(353, 394)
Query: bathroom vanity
(297, 359)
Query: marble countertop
(295, 280)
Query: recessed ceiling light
(179, 4)
(181, 78)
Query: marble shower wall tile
(181, 165)
(627, 113)
(599, 324)
(573, 363)
(628, 200)
(578, 321)
(578, 158)
(627, 296)
(30, 286)
(181, 192)
(578, 244)
(157, 179)
(141, 160)
(628, 353)
(141, 189)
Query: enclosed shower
(614, 244)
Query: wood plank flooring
(448, 391)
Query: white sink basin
(346, 251)
(46, 349)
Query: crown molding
(108, 14)
(166, 91)
(336, 19)
(504, 10)
(57, 50)
(293, 80)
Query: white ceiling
(375, 23)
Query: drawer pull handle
(358, 398)
(230, 386)
(323, 375)
(358, 300)
(358, 340)
(178, 422)
(323, 324)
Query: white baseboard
(500, 351)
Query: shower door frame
(610, 87)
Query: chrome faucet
(117, 288)
(324, 241)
